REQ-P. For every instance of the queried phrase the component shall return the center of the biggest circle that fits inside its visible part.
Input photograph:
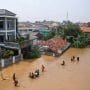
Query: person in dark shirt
(63, 63)
(14, 77)
(43, 68)
(78, 59)
(15, 80)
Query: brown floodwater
(73, 76)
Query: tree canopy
(72, 33)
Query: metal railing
(12, 45)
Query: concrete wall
(10, 61)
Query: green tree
(50, 35)
(71, 30)
(72, 33)
(33, 53)
(81, 41)
(88, 24)
(7, 53)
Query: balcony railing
(14, 45)
(24, 43)
(10, 45)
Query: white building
(8, 25)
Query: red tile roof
(54, 44)
(85, 29)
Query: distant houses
(37, 29)
(13, 34)
(85, 29)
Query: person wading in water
(63, 63)
(14, 77)
(15, 80)
(43, 68)
(78, 59)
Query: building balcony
(10, 45)
(16, 45)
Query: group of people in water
(72, 59)
(36, 73)
(31, 75)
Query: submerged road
(73, 76)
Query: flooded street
(73, 76)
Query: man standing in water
(43, 68)
(15, 80)
(78, 59)
(14, 77)
(63, 63)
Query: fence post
(19, 51)
(21, 56)
(13, 59)
(2, 63)
(53, 54)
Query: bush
(49, 35)
(7, 53)
(81, 41)
(33, 53)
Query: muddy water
(73, 76)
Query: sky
(50, 10)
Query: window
(10, 24)
(1, 24)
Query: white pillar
(2, 63)
(13, 59)
(19, 51)
(6, 28)
(53, 54)
(21, 56)
(15, 27)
